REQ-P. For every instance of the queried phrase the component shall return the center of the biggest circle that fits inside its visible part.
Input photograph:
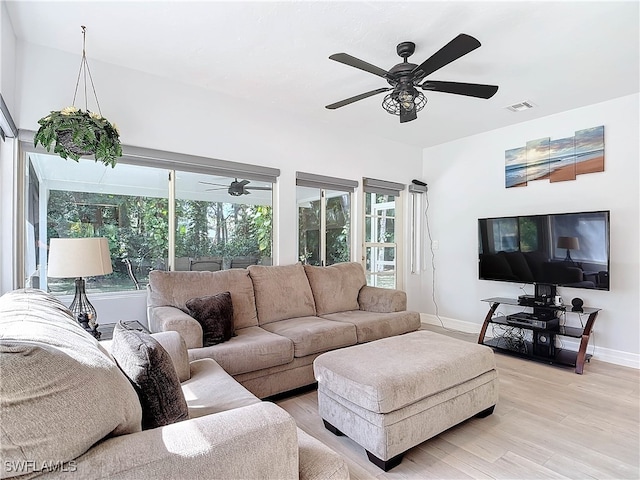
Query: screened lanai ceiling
(54, 173)
(273, 55)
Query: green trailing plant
(73, 133)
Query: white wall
(157, 113)
(466, 182)
(7, 148)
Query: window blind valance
(328, 183)
(196, 164)
(383, 187)
(148, 157)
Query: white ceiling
(557, 55)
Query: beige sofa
(284, 317)
(69, 412)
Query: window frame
(384, 187)
(326, 184)
(144, 157)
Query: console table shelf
(526, 349)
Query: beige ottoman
(393, 394)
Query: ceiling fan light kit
(405, 100)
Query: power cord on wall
(433, 270)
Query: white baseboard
(452, 323)
(603, 354)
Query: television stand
(542, 347)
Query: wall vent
(519, 107)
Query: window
(215, 230)
(153, 217)
(324, 219)
(381, 232)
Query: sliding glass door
(152, 217)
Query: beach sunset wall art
(556, 160)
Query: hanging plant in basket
(76, 133)
(73, 132)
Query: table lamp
(569, 243)
(78, 258)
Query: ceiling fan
(236, 188)
(405, 100)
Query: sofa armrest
(162, 319)
(176, 347)
(257, 441)
(382, 300)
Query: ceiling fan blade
(456, 48)
(362, 96)
(257, 188)
(357, 63)
(209, 183)
(407, 115)
(468, 89)
(242, 183)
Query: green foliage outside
(137, 230)
(338, 231)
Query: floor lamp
(78, 258)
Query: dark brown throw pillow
(150, 369)
(215, 314)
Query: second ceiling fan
(405, 78)
(235, 188)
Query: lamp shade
(570, 243)
(79, 257)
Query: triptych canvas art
(556, 160)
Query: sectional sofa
(69, 411)
(284, 317)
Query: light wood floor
(549, 423)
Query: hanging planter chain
(84, 67)
(72, 132)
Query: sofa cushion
(336, 287)
(173, 289)
(253, 348)
(212, 390)
(215, 314)
(58, 390)
(373, 326)
(281, 292)
(313, 335)
(149, 368)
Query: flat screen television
(563, 249)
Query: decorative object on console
(577, 304)
(405, 100)
(77, 258)
(556, 160)
(77, 132)
(569, 243)
(215, 314)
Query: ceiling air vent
(519, 107)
